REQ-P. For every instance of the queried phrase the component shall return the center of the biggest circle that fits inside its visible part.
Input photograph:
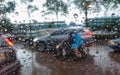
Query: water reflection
(29, 65)
(101, 61)
(105, 60)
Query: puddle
(29, 65)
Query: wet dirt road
(101, 61)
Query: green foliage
(82, 3)
(106, 23)
(7, 8)
(55, 6)
(106, 3)
(111, 25)
(31, 8)
(2, 0)
(5, 25)
(51, 25)
(10, 7)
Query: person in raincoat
(76, 41)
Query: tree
(7, 8)
(81, 4)
(31, 9)
(5, 25)
(108, 4)
(55, 6)
(2, 1)
(10, 7)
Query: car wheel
(41, 47)
(58, 53)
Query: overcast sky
(21, 14)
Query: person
(76, 41)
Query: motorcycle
(63, 50)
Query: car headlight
(2, 56)
(35, 39)
(58, 46)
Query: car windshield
(60, 37)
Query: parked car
(24, 36)
(27, 37)
(103, 32)
(49, 41)
(115, 44)
(8, 61)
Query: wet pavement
(101, 61)
(28, 62)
